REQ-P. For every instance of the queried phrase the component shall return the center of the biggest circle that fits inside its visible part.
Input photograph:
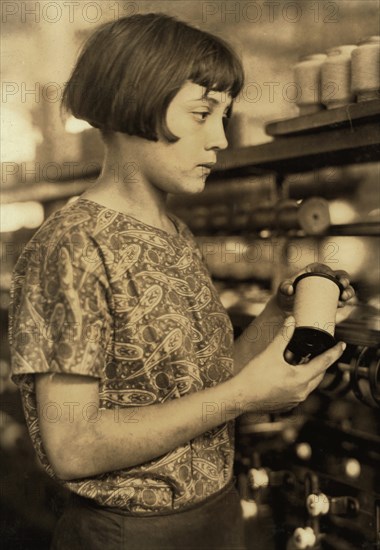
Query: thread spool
(365, 78)
(315, 305)
(312, 216)
(307, 75)
(336, 77)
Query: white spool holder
(304, 538)
(317, 505)
(258, 478)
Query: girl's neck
(121, 188)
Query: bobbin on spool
(315, 305)
(365, 78)
(336, 77)
(307, 75)
(312, 215)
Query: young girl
(122, 350)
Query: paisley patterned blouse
(97, 292)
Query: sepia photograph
(190, 275)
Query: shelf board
(302, 153)
(351, 114)
(359, 229)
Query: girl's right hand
(269, 384)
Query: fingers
(348, 292)
(343, 277)
(286, 287)
(346, 295)
(326, 359)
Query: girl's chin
(192, 188)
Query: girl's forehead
(193, 92)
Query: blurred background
(281, 197)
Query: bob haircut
(130, 70)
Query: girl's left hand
(285, 292)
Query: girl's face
(183, 166)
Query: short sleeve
(60, 318)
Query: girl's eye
(201, 115)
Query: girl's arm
(84, 440)
(258, 334)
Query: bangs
(216, 67)
(131, 69)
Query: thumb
(323, 361)
(286, 332)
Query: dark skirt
(214, 524)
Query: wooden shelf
(349, 115)
(359, 229)
(354, 141)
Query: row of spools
(342, 75)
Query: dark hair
(130, 69)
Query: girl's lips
(207, 165)
(205, 170)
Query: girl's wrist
(238, 389)
(246, 389)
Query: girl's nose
(216, 137)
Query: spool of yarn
(307, 75)
(315, 306)
(336, 77)
(365, 78)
